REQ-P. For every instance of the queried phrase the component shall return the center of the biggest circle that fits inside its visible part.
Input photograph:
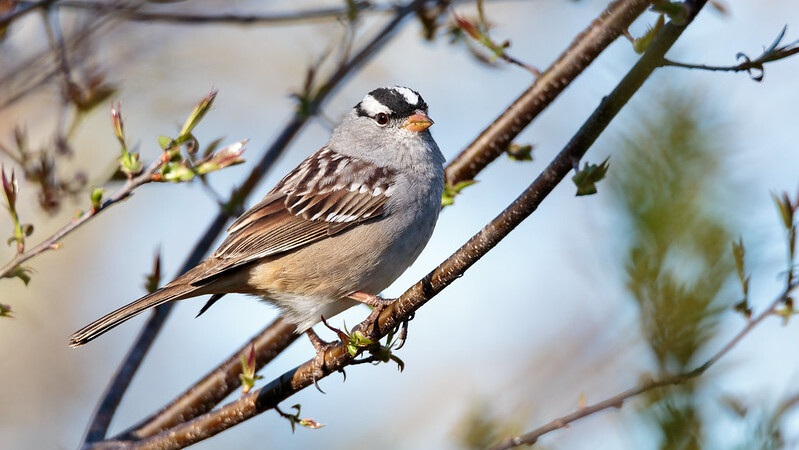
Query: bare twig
(754, 67)
(101, 420)
(137, 14)
(618, 400)
(202, 396)
(338, 356)
(38, 70)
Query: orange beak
(419, 121)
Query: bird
(335, 231)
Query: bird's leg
(369, 299)
(321, 347)
(377, 303)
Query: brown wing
(309, 204)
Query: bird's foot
(369, 299)
(377, 303)
(321, 347)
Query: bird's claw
(321, 347)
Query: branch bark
(585, 48)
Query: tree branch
(338, 357)
(101, 420)
(585, 48)
(23, 9)
(204, 395)
(774, 52)
(51, 243)
(618, 400)
(134, 13)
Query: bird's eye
(381, 118)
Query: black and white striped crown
(396, 101)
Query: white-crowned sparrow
(336, 230)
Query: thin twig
(616, 17)
(618, 400)
(289, 18)
(38, 70)
(585, 48)
(453, 268)
(774, 52)
(101, 420)
(51, 243)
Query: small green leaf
(310, 423)
(27, 229)
(586, 179)
(96, 197)
(786, 311)
(743, 308)
(23, 273)
(176, 172)
(248, 366)
(295, 419)
(677, 11)
(129, 163)
(518, 152)
(164, 142)
(5, 311)
(200, 110)
(642, 43)
(785, 208)
(739, 253)
(228, 156)
(450, 191)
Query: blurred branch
(206, 393)
(774, 52)
(198, 401)
(52, 242)
(585, 48)
(130, 165)
(338, 357)
(223, 380)
(136, 14)
(30, 75)
(23, 9)
(478, 31)
(617, 401)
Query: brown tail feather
(111, 320)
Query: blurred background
(586, 298)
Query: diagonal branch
(493, 141)
(101, 420)
(338, 357)
(618, 400)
